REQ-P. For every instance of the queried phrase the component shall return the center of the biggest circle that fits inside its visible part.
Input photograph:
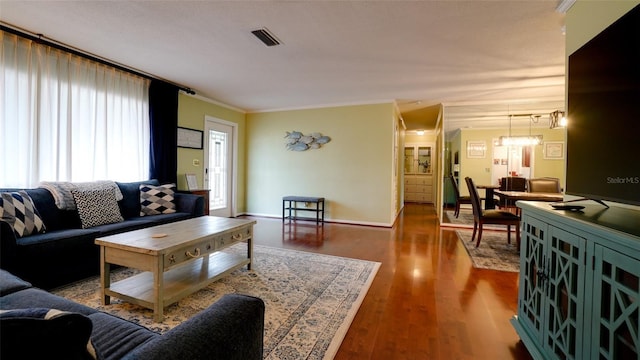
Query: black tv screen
(603, 130)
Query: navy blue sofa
(230, 329)
(66, 252)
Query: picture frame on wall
(190, 138)
(476, 149)
(553, 150)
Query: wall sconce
(557, 120)
(420, 132)
(520, 140)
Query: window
(66, 118)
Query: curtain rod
(41, 39)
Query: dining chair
(544, 184)
(459, 199)
(512, 183)
(493, 217)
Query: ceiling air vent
(266, 37)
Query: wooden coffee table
(177, 259)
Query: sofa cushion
(18, 210)
(67, 237)
(113, 337)
(156, 200)
(10, 283)
(130, 203)
(37, 298)
(169, 218)
(43, 333)
(127, 225)
(97, 207)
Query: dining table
(513, 196)
(489, 202)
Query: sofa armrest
(8, 246)
(189, 203)
(232, 328)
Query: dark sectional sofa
(66, 252)
(230, 329)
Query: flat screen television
(603, 130)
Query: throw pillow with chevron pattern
(18, 210)
(156, 200)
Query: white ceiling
(482, 59)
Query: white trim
(336, 221)
(216, 102)
(234, 160)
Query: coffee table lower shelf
(178, 282)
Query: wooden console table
(290, 203)
(177, 259)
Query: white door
(219, 166)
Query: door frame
(234, 159)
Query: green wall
(587, 18)
(191, 114)
(354, 172)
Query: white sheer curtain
(65, 118)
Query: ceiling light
(266, 37)
(520, 140)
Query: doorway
(220, 165)
(511, 160)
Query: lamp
(557, 120)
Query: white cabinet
(418, 178)
(579, 283)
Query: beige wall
(354, 172)
(191, 114)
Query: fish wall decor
(296, 141)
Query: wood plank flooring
(426, 302)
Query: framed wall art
(476, 149)
(553, 150)
(190, 138)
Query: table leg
(158, 284)
(105, 276)
(489, 203)
(250, 252)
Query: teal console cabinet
(579, 289)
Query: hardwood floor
(426, 302)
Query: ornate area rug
(466, 218)
(311, 299)
(494, 252)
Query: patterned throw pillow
(17, 209)
(97, 207)
(39, 333)
(156, 200)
